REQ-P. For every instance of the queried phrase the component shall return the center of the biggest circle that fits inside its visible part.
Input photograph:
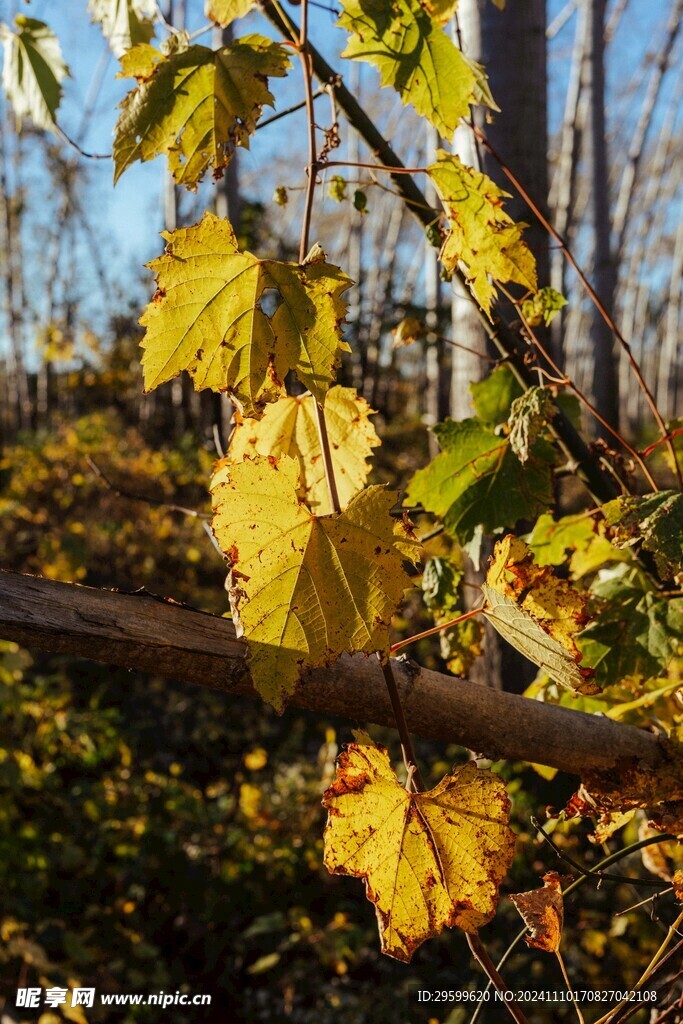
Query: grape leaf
(656, 520)
(542, 911)
(414, 55)
(440, 11)
(429, 860)
(580, 536)
(543, 307)
(539, 614)
(305, 588)
(125, 23)
(33, 70)
(482, 237)
(196, 105)
(529, 414)
(224, 12)
(477, 479)
(206, 318)
(635, 632)
(289, 427)
(493, 396)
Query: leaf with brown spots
(306, 588)
(542, 911)
(537, 613)
(429, 860)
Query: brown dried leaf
(542, 911)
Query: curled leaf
(537, 613)
(429, 860)
(656, 521)
(33, 71)
(542, 911)
(529, 414)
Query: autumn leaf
(224, 12)
(655, 521)
(206, 318)
(414, 55)
(543, 307)
(429, 860)
(529, 414)
(539, 614)
(125, 23)
(542, 911)
(306, 588)
(477, 480)
(196, 104)
(578, 539)
(482, 238)
(33, 70)
(441, 11)
(289, 427)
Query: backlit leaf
(483, 240)
(655, 520)
(289, 427)
(441, 11)
(578, 538)
(125, 23)
(429, 860)
(477, 479)
(529, 414)
(196, 105)
(493, 396)
(224, 12)
(33, 70)
(542, 911)
(305, 588)
(414, 55)
(206, 318)
(537, 613)
(543, 307)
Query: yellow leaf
(537, 613)
(194, 104)
(542, 911)
(429, 860)
(289, 427)
(305, 588)
(224, 12)
(206, 318)
(482, 237)
(440, 11)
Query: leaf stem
(487, 965)
(568, 983)
(401, 725)
(436, 629)
(597, 302)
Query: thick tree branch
(139, 631)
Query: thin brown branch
(436, 629)
(489, 968)
(409, 759)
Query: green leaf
(655, 520)
(195, 105)
(636, 632)
(539, 614)
(440, 581)
(576, 537)
(493, 396)
(306, 588)
(543, 307)
(33, 71)
(224, 12)
(482, 239)
(529, 414)
(125, 23)
(477, 479)
(415, 56)
(206, 318)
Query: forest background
(155, 836)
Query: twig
(602, 876)
(290, 110)
(129, 496)
(409, 759)
(568, 983)
(436, 629)
(486, 963)
(91, 156)
(649, 899)
(589, 290)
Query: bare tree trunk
(605, 384)
(667, 378)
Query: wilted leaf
(429, 860)
(529, 414)
(125, 23)
(655, 520)
(289, 427)
(493, 396)
(678, 884)
(412, 54)
(33, 70)
(537, 613)
(407, 331)
(482, 237)
(542, 911)
(195, 105)
(224, 12)
(305, 588)
(440, 582)
(206, 318)
(477, 480)
(543, 307)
